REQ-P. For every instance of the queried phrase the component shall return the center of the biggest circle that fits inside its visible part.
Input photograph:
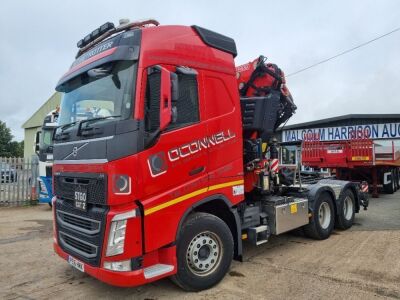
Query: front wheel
(345, 217)
(204, 252)
(322, 220)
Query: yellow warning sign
(293, 208)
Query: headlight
(116, 238)
(121, 266)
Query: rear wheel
(322, 220)
(204, 252)
(398, 177)
(390, 187)
(345, 217)
(395, 173)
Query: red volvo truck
(162, 165)
(377, 162)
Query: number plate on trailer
(80, 197)
(76, 264)
(359, 158)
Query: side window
(187, 105)
(288, 155)
(152, 101)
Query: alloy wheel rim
(348, 208)
(204, 253)
(324, 215)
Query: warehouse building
(383, 128)
(35, 122)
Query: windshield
(106, 91)
(289, 155)
(46, 138)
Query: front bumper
(164, 256)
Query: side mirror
(37, 142)
(165, 98)
(162, 93)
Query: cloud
(38, 44)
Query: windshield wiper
(88, 130)
(65, 126)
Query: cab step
(157, 270)
(258, 235)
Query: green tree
(5, 140)
(8, 147)
(17, 149)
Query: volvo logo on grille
(75, 151)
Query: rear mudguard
(336, 188)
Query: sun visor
(125, 46)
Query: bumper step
(157, 270)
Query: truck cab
(150, 178)
(44, 151)
(125, 165)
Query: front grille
(66, 184)
(81, 233)
(77, 245)
(78, 223)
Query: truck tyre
(398, 177)
(395, 173)
(390, 187)
(322, 220)
(345, 216)
(204, 252)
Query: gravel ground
(361, 263)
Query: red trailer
(357, 159)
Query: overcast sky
(38, 44)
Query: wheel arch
(315, 193)
(219, 206)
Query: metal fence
(18, 184)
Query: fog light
(120, 266)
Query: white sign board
(373, 131)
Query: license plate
(80, 197)
(76, 264)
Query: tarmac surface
(360, 263)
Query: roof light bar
(109, 29)
(95, 34)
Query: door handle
(196, 171)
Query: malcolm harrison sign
(373, 131)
